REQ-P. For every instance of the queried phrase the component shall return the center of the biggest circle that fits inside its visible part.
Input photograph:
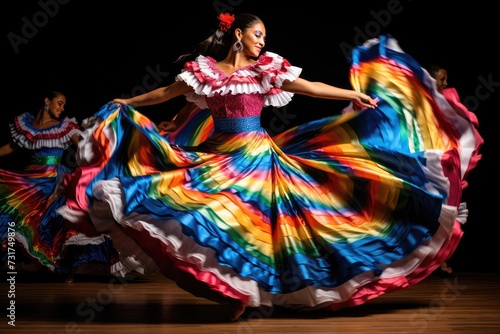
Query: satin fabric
(30, 228)
(328, 214)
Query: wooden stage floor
(466, 303)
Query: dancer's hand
(122, 101)
(364, 101)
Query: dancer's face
(254, 39)
(56, 106)
(441, 79)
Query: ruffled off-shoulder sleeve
(265, 77)
(29, 137)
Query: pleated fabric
(328, 214)
(30, 228)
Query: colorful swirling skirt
(31, 230)
(328, 214)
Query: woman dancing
(328, 214)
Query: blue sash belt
(234, 125)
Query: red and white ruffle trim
(265, 76)
(27, 136)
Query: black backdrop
(97, 50)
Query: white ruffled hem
(187, 250)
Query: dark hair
(218, 43)
(434, 69)
(52, 94)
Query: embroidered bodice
(243, 93)
(44, 143)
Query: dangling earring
(47, 108)
(238, 46)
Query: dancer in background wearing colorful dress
(29, 197)
(440, 74)
(325, 215)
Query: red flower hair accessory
(226, 20)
